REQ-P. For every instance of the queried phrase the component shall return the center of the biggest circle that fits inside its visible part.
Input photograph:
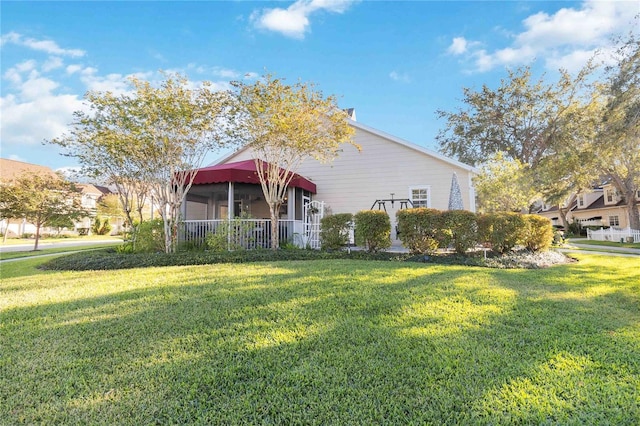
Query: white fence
(245, 233)
(612, 234)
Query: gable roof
(386, 136)
(11, 169)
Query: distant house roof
(88, 188)
(11, 169)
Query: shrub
(421, 230)
(334, 231)
(100, 227)
(235, 234)
(503, 231)
(373, 230)
(538, 232)
(148, 237)
(83, 231)
(462, 229)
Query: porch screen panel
(196, 211)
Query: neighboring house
(388, 173)
(10, 170)
(600, 207)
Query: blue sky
(396, 63)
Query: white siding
(355, 180)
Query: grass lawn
(322, 342)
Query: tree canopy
(283, 125)
(151, 141)
(43, 199)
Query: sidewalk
(574, 247)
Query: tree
(522, 119)
(151, 141)
(42, 199)
(504, 184)
(284, 125)
(617, 146)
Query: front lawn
(322, 342)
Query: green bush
(373, 230)
(101, 227)
(334, 231)
(148, 237)
(538, 233)
(421, 230)
(503, 231)
(461, 228)
(235, 234)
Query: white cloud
(401, 77)
(565, 39)
(47, 46)
(294, 21)
(52, 63)
(74, 68)
(458, 46)
(30, 122)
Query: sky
(395, 62)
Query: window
(614, 221)
(610, 195)
(580, 200)
(420, 196)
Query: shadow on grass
(330, 342)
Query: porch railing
(613, 234)
(242, 233)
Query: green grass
(322, 342)
(31, 253)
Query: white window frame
(581, 200)
(614, 220)
(420, 187)
(610, 192)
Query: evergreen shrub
(372, 230)
(421, 230)
(334, 231)
(538, 233)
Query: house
(597, 207)
(387, 174)
(10, 170)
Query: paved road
(57, 244)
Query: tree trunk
(275, 240)
(632, 210)
(563, 218)
(35, 246)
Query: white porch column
(230, 200)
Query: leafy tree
(617, 146)
(151, 140)
(521, 118)
(42, 199)
(284, 125)
(504, 184)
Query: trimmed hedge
(503, 231)
(421, 229)
(373, 230)
(334, 231)
(461, 227)
(539, 234)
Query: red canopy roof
(242, 172)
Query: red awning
(243, 172)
